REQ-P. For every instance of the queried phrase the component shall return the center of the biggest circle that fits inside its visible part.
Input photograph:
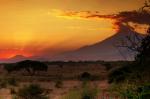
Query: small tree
(31, 66)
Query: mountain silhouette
(104, 50)
(18, 58)
(14, 59)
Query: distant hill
(104, 50)
(18, 58)
(14, 59)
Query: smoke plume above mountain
(137, 17)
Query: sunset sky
(47, 27)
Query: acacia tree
(144, 49)
(137, 43)
(9, 67)
(139, 70)
(31, 66)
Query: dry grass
(68, 74)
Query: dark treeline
(29, 65)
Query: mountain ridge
(104, 50)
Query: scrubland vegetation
(80, 80)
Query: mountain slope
(104, 50)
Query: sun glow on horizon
(47, 27)
(12, 53)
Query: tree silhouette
(137, 71)
(31, 66)
(144, 49)
(140, 44)
(9, 67)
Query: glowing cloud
(136, 17)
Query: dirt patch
(5, 94)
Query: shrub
(129, 94)
(89, 93)
(14, 97)
(59, 84)
(107, 66)
(32, 92)
(3, 83)
(12, 81)
(136, 92)
(84, 93)
(119, 74)
(85, 76)
(144, 91)
(73, 94)
(145, 96)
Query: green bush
(89, 93)
(144, 91)
(73, 94)
(129, 94)
(84, 93)
(136, 92)
(145, 96)
(14, 97)
(32, 92)
(119, 75)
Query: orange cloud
(126, 16)
(81, 14)
(122, 17)
(113, 18)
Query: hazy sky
(38, 27)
